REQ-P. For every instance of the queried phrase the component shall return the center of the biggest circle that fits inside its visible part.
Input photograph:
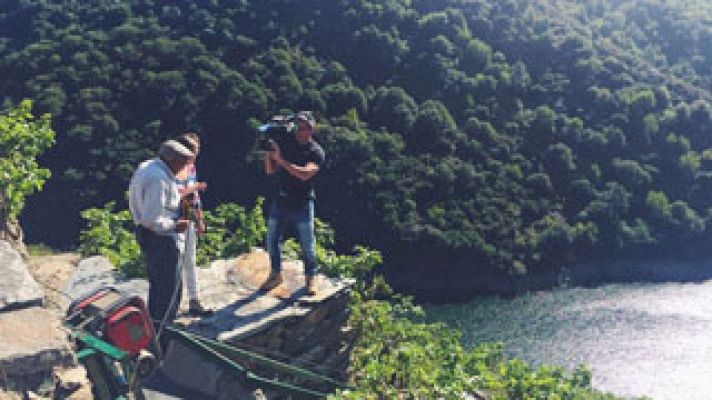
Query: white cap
(172, 149)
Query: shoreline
(446, 288)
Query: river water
(638, 339)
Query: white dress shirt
(154, 200)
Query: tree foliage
(451, 127)
(23, 138)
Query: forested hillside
(461, 135)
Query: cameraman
(296, 164)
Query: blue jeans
(302, 219)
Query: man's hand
(200, 222)
(273, 160)
(269, 164)
(192, 188)
(276, 154)
(182, 225)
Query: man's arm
(303, 173)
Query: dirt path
(51, 271)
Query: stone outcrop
(203, 380)
(32, 344)
(71, 384)
(95, 272)
(283, 324)
(17, 287)
(32, 340)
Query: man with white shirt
(154, 202)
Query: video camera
(279, 130)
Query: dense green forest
(462, 136)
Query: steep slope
(462, 136)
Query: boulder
(72, 383)
(18, 289)
(97, 271)
(32, 344)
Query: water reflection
(638, 339)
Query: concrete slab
(231, 288)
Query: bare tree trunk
(11, 231)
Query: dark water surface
(638, 339)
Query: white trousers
(189, 273)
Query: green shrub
(231, 231)
(23, 138)
(110, 234)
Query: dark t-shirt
(291, 188)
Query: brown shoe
(273, 280)
(311, 285)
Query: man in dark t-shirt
(296, 164)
